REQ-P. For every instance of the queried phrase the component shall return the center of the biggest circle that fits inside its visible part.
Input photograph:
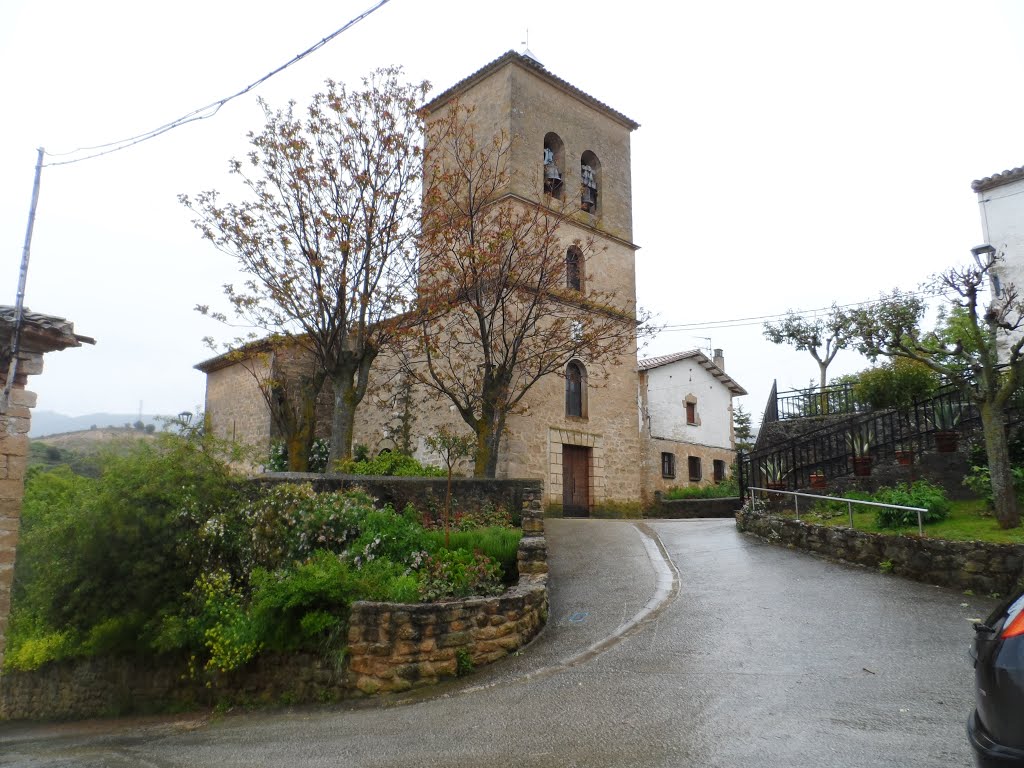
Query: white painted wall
(667, 389)
(1002, 226)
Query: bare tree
(326, 233)
(822, 337)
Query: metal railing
(801, 403)
(908, 430)
(849, 502)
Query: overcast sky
(790, 155)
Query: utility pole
(19, 304)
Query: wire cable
(760, 319)
(209, 110)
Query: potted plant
(818, 479)
(774, 472)
(904, 455)
(945, 418)
(860, 444)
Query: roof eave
(511, 57)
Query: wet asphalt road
(731, 653)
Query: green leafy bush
(390, 463)
(100, 560)
(497, 543)
(724, 490)
(457, 573)
(979, 480)
(919, 494)
(896, 384)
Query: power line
(760, 319)
(203, 112)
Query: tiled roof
(537, 68)
(702, 360)
(46, 331)
(998, 179)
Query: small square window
(719, 468)
(668, 465)
(694, 466)
(691, 413)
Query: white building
(686, 418)
(1001, 204)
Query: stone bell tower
(570, 151)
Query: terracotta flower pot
(818, 481)
(861, 466)
(946, 442)
(904, 458)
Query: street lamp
(985, 256)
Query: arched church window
(554, 163)
(574, 269)
(575, 386)
(590, 180)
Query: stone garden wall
(978, 566)
(685, 509)
(392, 647)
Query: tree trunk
(300, 425)
(343, 418)
(349, 380)
(1004, 497)
(488, 440)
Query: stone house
(595, 434)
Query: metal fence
(790, 464)
(797, 495)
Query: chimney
(719, 359)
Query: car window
(1007, 610)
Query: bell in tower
(552, 176)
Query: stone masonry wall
(982, 567)
(14, 427)
(392, 648)
(686, 509)
(398, 647)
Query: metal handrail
(849, 504)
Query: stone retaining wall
(978, 566)
(685, 509)
(392, 647)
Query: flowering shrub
(458, 573)
(318, 455)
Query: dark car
(996, 727)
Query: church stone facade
(567, 145)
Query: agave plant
(947, 416)
(860, 440)
(774, 470)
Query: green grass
(967, 521)
(502, 544)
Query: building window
(554, 157)
(590, 179)
(691, 413)
(668, 465)
(719, 467)
(694, 465)
(574, 269)
(575, 386)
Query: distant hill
(53, 423)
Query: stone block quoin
(24, 340)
